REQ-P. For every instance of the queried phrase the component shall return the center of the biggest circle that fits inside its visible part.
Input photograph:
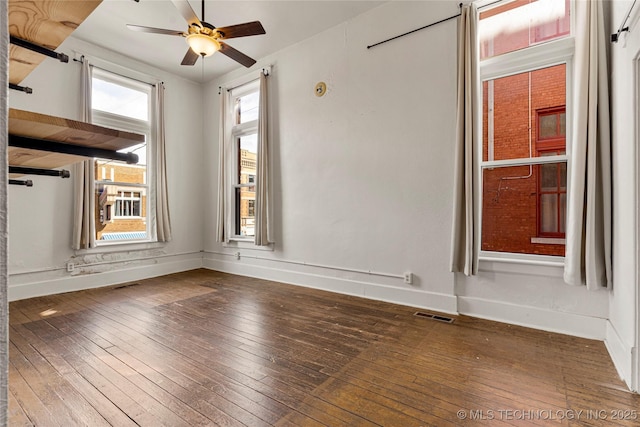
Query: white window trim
(542, 55)
(129, 124)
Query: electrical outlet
(408, 277)
(70, 267)
(237, 255)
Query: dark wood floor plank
(185, 388)
(51, 387)
(111, 413)
(209, 348)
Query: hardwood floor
(205, 348)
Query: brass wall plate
(321, 88)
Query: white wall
(622, 333)
(40, 218)
(363, 177)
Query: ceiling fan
(204, 39)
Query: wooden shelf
(43, 22)
(59, 130)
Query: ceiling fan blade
(190, 58)
(241, 30)
(187, 12)
(236, 55)
(154, 30)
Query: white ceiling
(286, 23)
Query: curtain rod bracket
(623, 28)
(616, 36)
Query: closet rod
(24, 89)
(38, 171)
(58, 147)
(26, 182)
(39, 49)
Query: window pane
(509, 111)
(245, 211)
(515, 215)
(548, 126)
(120, 213)
(117, 99)
(248, 149)
(247, 108)
(549, 213)
(549, 177)
(563, 212)
(522, 23)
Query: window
(552, 178)
(526, 52)
(122, 203)
(128, 204)
(244, 108)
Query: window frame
(556, 143)
(232, 141)
(129, 124)
(537, 56)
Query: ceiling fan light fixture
(202, 44)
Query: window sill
(539, 265)
(119, 246)
(549, 240)
(246, 244)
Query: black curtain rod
(413, 31)
(429, 25)
(265, 71)
(81, 60)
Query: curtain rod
(81, 60)
(429, 25)
(622, 28)
(265, 70)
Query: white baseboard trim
(533, 317)
(621, 354)
(348, 286)
(57, 285)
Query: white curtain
(465, 237)
(221, 235)
(263, 193)
(83, 216)
(588, 233)
(163, 223)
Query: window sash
(534, 57)
(235, 186)
(130, 124)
